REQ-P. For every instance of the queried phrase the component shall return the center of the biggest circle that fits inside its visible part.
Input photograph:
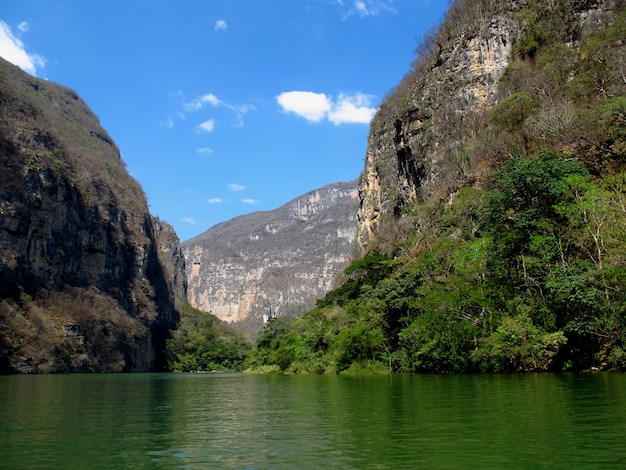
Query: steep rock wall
(84, 285)
(411, 152)
(273, 263)
(420, 140)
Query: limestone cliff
(421, 142)
(87, 276)
(275, 262)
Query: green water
(238, 421)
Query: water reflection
(247, 421)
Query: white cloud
(198, 103)
(215, 200)
(207, 126)
(220, 25)
(314, 107)
(23, 27)
(307, 104)
(170, 120)
(238, 112)
(250, 201)
(12, 49)
(364, 8)
(236, 187)
(189, 220)
(361, 8)
(205, 151)
(211, 99)
(352, 109)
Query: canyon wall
(88, 277)
(273, 263)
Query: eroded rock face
(419, 140)
(87, 276)
(273, 263)
(411, 157)
(172, 258)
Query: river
(242, 421)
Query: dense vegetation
(526, 276)
(521, 271)
(203, 343)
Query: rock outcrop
(421, 140)
(88, 278)
(273, 263)
(412, 145)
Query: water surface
(240, 421)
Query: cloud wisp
(206, 126)
(365, 8)
(236, 187)
(208, 100)
(314, 107)
(221, 25)
(13, 50)
(253, 202)
(200, 102)
(205, 151)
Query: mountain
(273, 263)
(492, 222)
(88, 278)
(439, 130)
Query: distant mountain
(88, 278)
(273, 263)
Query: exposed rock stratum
(273, 263)
(88, 277)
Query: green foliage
(517, 345)
(202, 343)
(524, 213)
(527, 275)
(275, 347)
(439, 341)
(463, 158)
(611, 115)
(545, 24)
(365, 271)
(511, 113)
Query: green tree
(203, 343)
(525, 215)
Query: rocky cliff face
(273, 263)
(172, 258)
(87, 276)
(420, 143)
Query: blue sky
(224, 107)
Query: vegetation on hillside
(526, 272)
(56, 132)
(204, 343)
(76, 330)
(83, 286)
(527, 276)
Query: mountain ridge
(274, 262)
